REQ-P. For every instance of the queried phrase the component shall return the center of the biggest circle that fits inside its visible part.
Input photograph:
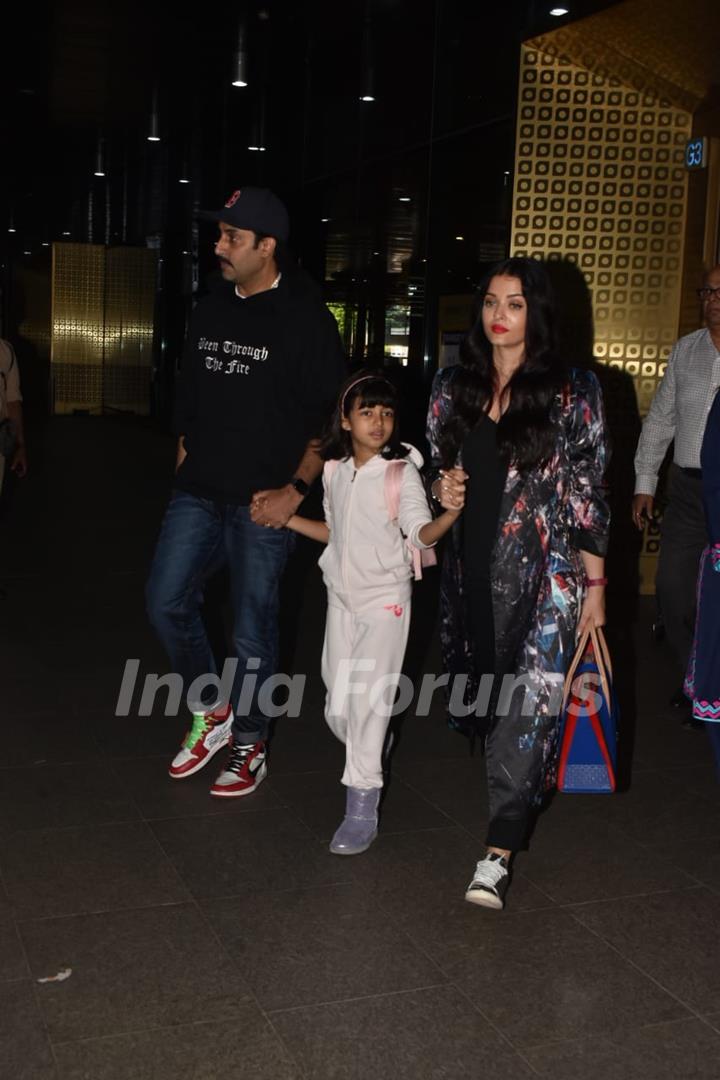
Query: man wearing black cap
(262, 364)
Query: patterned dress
(702, 684)
(547, 516)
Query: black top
(487, 473)
(259, 379)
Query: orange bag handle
(602, 658)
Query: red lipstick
(498, 329)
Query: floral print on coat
(547, 516)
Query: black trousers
(519, 748)
(512, 772)
(683, 537)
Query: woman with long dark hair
(524, 567)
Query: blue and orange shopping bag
(588, 746)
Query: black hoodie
(259, 378)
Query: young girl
(367, 569)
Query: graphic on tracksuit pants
(368, 571)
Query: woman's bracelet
(590, 582)
(432, 493)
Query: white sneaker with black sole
(490, 882)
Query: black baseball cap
(257, 209)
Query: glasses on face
(706, 292)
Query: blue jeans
(199, 536)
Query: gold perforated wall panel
(78, 305)
(600, 181)
(129, 311)
(657, 47)
(102, 328)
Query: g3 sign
(696, 153)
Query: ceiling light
(257, 128)
(404, 198)
(45, 243)
(154, 132)
(557, 11)
(66, 233)
(184, 177)
(100, 157)
(11, 228)
(367, 85)
(325, 220)
(240, 64)
(459, 237)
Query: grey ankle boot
(359, 826)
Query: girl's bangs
(377, 392)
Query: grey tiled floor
(209, 939)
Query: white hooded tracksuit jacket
(368, 573)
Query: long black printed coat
(547, 516)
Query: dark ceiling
(75, 72)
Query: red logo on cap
(233, 199)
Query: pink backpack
(393, 485)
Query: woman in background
(702, 684)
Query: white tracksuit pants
(362, 659)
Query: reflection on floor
(210, 939)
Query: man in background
(679, 412)
(13, 454)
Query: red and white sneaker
(245, 769)
(208, 733)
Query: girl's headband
(363, 378)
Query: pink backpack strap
(393, 486)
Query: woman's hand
(449, 489)
(593, 609)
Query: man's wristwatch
(300, 486)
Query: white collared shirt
(679, 409)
